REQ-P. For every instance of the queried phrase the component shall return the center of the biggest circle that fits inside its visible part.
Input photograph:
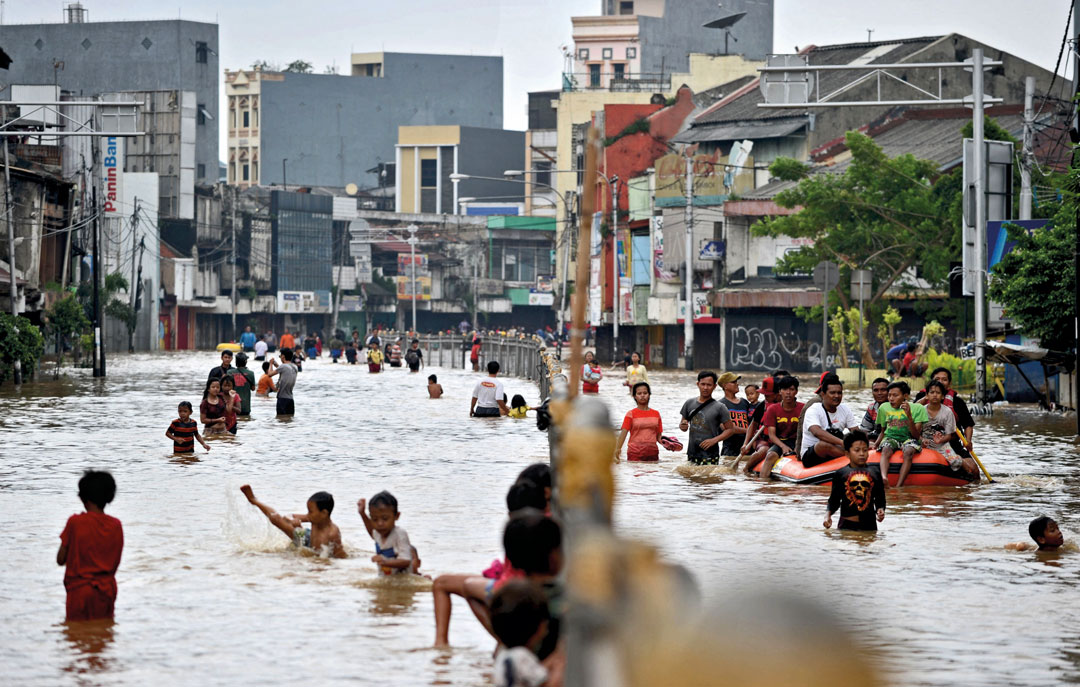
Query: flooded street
(211, 594)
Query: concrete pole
(979, 159)
(14, 293)
(614, 184)
(475, 290)
(688, 319)
(134, 243)
(825, 318)
(862, 325)
(412, 277)
(1076, 247)
(232, 260)
(570, 223)
(1026, 154)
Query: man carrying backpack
(414, 357)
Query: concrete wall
(333, 128)
(666, 42)
(113, 56)
(490, 153)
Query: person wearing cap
(738, 410)
(243, 382)
(757, 448)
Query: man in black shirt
(226, 364)
(739, 410)
(857, 490)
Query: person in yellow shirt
(374, 359)
(635, 372)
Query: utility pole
(571, 222)
(337, 297)
(824, 319)
(476, 290)
(134, 244)
(979, 158)
(232, 259)
(412, 263)
(138, 291)
(14, 293)
(1073, 164)
(1026, 154)
(284, 183)
(614, 184)
(99, 346)
(688, 319)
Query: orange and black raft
(929, 469)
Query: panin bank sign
(112, 167)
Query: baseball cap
(768, 385)
(727, 378)
(824, 376)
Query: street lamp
(284, 184)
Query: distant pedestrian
(286, 372)
(184, 431)
(474, 355)
(591, 373)
(247, 339)
(414, 357)
(260, 349)
(243, 382)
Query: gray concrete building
(329, 130)
(91, 58)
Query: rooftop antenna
(868, 32)
(725, 23)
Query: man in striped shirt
(184, 431)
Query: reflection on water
(87, 647)
(205, 579)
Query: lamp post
(284, 183)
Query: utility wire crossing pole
(14, 292)
(688, 318)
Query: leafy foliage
(299, 67)
(26, 346)
(67, 318)
(963, 371)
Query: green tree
(26, 346)
(67, 319)
(881, 214)
(120, 309)
(299, 67)
(1035, 281)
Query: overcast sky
(529, 33)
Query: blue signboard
(713, 250)
(998, 244)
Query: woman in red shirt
(644, 427)
(212, 408)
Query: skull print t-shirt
(858, 493)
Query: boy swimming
(1046, 534)
(323, 532)
(434, 389)
(184, 431)
(393, 552)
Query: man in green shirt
(902, 423)
(244, 382)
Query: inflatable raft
(234, 347)
(929, 469)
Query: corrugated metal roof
(768, 292)
(734, 131)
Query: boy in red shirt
(781, 422)
(90, 547)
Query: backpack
(412, 357)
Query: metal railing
(527, 358)
(616, 81)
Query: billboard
(423, 287)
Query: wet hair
(525, 494)
(493, 367)
(540, 473)
(517, 401)
(433, 379)
(184, 404)
(323, 501)
(781, 373)
(830, 380)
(904, 388)
(786, 382)
(879, 380)
(383, 499)
(751, 385)
(855, 435)
(518, 609)
(266, 366)
(529, 540)
(416, 341)
(633, 391)
(935, 383)
(287, 354)
(707, 373)
(1036, 528)
(948, 373)
(97, 487)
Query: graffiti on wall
(761, 348)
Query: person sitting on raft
(644, 426)
(1046, 533)
(964, 422)
(902, 423)
(782, 423)
(940, 426)
(857, 490)
(880, 389)
(823, 431)
(756, 444)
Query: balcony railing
(616, 81)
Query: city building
(541, 152)
(333, 130)
(429, 157)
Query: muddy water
(210, 594)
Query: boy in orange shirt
(266, 382)
(90, 547)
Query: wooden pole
(581, 281)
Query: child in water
(374, 359)
(266, 382)
(90, 547)
(434, 389)
(393, 552)
(1044, 530)
(518, 407)
(184, 431)
(323, 531)
(519, 619)
(858, 491)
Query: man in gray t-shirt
(287, 373)
(709, 423)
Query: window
(246, 172)
(255, 171)
(201, 52)
(631, 53)
(583, 53)
(247, 119)
(620, 70)
(626, 7)
(542, 173)
(608, 53)
(429, 174)
(201, 171)
(594, 75)
(520, 261)
(200, 114)
(255, 117)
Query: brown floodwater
(211, 594)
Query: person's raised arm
(361, 507)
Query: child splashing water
(323, 532)
(393, 552)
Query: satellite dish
(725, 22)
(351, 189)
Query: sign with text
(671, 175)
(112, 175)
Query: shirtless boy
(323, 531)
(1044, 530)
